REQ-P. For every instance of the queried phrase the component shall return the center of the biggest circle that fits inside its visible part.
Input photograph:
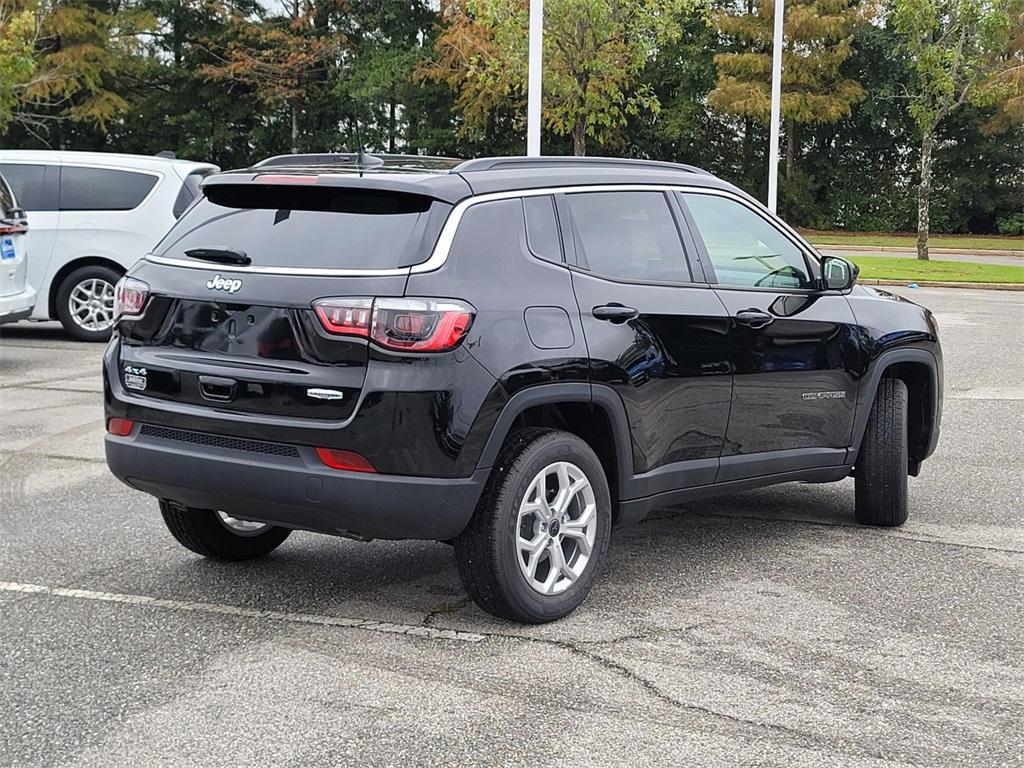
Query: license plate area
(237, 330)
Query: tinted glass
(34, 186)
(189, 191)
(6, 198)
(542, 227)
(324, 227)
(99, 189)
(630, 235)
(743, 247)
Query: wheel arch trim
(597, 395)
(66, 269)
(869, 390)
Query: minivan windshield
(299, 226)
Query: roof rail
(564, 161)
(358, 160)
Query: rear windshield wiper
(220, 255)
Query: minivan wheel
(218, 535)
(881, 473)
(534, 547)
(85, 302)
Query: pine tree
(594, 54)
(818, 40)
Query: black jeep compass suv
(511, 355)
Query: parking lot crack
(442, 609)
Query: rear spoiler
(448, 188)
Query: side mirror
(838, 274)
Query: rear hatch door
(229, 322)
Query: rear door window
(321, 228)
(103, 189)
(34, 186)
(628, 235)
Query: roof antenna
(364, 160)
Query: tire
(491, 565)
(91, 280)
(205, 533)
(880, 479)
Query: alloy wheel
(91, 304)
(556, 528)
(241, 527)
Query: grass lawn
(885, 268)
(965, 242)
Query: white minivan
(92, 215)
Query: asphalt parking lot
(757, 629)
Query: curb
(944, 284)
(904, 249)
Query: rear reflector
(402, 325)
(348, 460)
(120, 427)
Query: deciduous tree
(594, 53)
(955, 45)
(282, 58)
(17, 59)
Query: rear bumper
(17, 306)
(294, 491)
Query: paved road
(973, 257)
(758, 629)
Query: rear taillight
(130, 297)
(13, 229)
(403, 325)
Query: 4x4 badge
(219, 283)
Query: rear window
(323, 228)
(35, 186)
(100, 189)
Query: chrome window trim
(439, 254)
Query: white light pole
(773, 140)
(533, 92)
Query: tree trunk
(790, 149)
(923, 192)
(579, 137)
(295, 129)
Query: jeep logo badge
(219, 283)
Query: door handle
(615, 313)
(217, 389)
(754, 318)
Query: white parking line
(431, 633)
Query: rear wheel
(85, 302)
(534, 547)
(218, 535)
(881, 474)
